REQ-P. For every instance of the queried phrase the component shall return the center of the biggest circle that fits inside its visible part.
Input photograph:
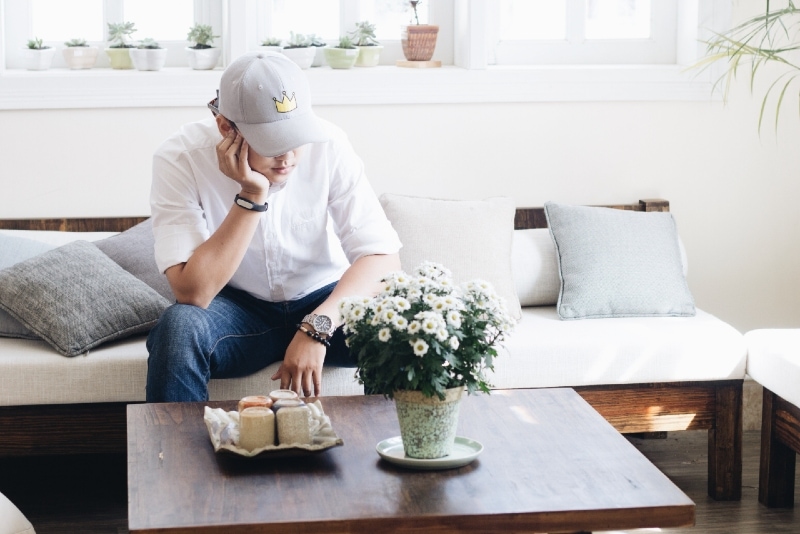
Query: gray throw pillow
(616, 263)
(134, 251)
(13, 250)
(75, 298)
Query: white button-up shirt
(323, 218)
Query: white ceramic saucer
(465, 450)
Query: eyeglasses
(213, 106)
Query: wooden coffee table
(550, 464)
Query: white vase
(304, 57)
(148, 58)
(39, 59)
(319, 56)
(427, 424)
(203, 58)
(80, 57)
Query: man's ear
(224, 125)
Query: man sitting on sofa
(263, 220)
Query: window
(563, 32)
(57, 21)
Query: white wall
(734, 194)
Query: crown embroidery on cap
(286, 105)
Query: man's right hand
(232, 154)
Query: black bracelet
(316, 336)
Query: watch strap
(249, 204)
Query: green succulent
(364, 34)
(75, 42)
(149, 44)
(316, 41)
(36, 44)
(298, 40)
(119, 34)
(271, 41)
(202, 35)
(345, 42)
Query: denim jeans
(235, 336)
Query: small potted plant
(418, 40)
(319, 46)
(271, 44)
(148, 55)
(203, 55)
(368, 45)
(343, 55)
(118, 50)
(38, 56)
(299, 50)
(79, 55)
(422, 341)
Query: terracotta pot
(419, 41)
(428, 424)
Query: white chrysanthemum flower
(414, 327)
(400, 322)
(454, 343)
(388, 316)
(429, 325)
(401, 304)
(429, 299)
(356, 313)
(442, 334)
(454, 319)
(384, 334)
(420, 347)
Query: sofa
(773, 360)
(646, 371)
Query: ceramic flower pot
(304, 57)
(319, 56)
(120, 58)
(148, 58)
(419, 41)
(39, 59)
(203, 58)
(428, 424)
(368, 56)
(341, 58)
(80, 57)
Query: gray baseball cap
(267, 97)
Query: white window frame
(469, 79)
(575, 49)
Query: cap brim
(276, 138)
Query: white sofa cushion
(773, 360)
(545, 351)
(11, 519)
(535, 267)
(472, 238)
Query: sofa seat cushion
(544, 351)
(33, 373)
(773, 360)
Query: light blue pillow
(14, 249)
(617, 263)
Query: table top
(550, 464)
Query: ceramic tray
(223, 429)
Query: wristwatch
(322, 324)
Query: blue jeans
(235, 336)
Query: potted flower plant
(148, 55)
(299, 50)
(203, 55)
(422, 341)
(368, 45)
(118, 50)
(271, 44)
(319, 46)
(79, 55)
(418, 40)
(343, 55)
(38, 56)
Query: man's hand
(301, 369)
(232, 153)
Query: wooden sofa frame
(780, 445)
(635, 408)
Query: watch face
(323, 324)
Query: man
(263, 220)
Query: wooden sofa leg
(725, 444)
(777, 470)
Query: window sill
(182, 87)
